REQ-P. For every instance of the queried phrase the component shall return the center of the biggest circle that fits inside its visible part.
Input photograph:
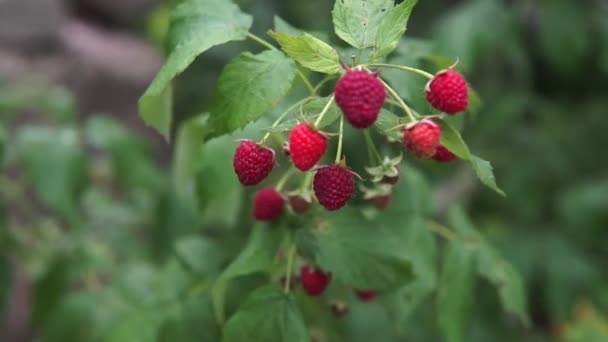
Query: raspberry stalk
(340, 138)
(402, 67)
(291, 256)
(283, 115)
(394, 94)
(324, 111)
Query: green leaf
(392, 28)
(485, 173)
(282, 26)
(422, 247)
(386, 123)
(475, 102)
(268, 314)
(493, 267)
(258, 255)
(309, 51)
(200, 254)
(455, 291)
(196, 26)
(366, 258)
(357, 21)
(192, 321)
(55, 163)
(250, 86)
(452, 140)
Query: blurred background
(87, 200)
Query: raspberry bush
(338, 152)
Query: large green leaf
(268, 314)
(192, 321)
(188, 150)
(360, 253)
(248, 87)
(196, 26)
(455, 290)
(55, 163)
(485, 172)
(357, 21)
(452, 140)
(392, 28)
(493, 267)
(258, 255)
(309, 51)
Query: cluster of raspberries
(361, 96)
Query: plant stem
(266, 44)
(284, 179)
(371, 145)
(283, 115)
(290, 261)
(442, 230)
(394, 94)
(340, 139)
(306, 182)
(405, 68)
(324, 111)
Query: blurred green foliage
(123, 249)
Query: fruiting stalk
(372, 146)
(396, 96)
(324, 111)
(340, 138)
(291, 256)
(283, 115)
(284, 179)
(402, 67)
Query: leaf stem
(290, 261)
(402, 67)
(371, 145)
(283, 115)
(266, 44)
(442, 230)
(284, 179)
(324, 111)
(340, 139)
(394, 94)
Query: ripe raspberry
(306, 146)
(333, 185)
(267, 205)
(366, 295)
(252, 162)
(314, 281)
(448, 92)
(422, 139)
(443, 155)
(361, 96)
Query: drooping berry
(306, 146)
(448, 92)
(268, 205)
(361, 96)
(339, 309)
(366, 295)
(334, 186)
(443, 155)
(314, 281)
(422, 139)
(300, 203)
(252, 162)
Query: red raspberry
(252, 162)
(267, 205)
(443, 155)
(314, 281)
(333, 185)
(366, 295)
(306, 146)
(448, 92)
(422, 139)
(361, 96)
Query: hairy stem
(324, 111)
(404, 68)
(340, 139)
